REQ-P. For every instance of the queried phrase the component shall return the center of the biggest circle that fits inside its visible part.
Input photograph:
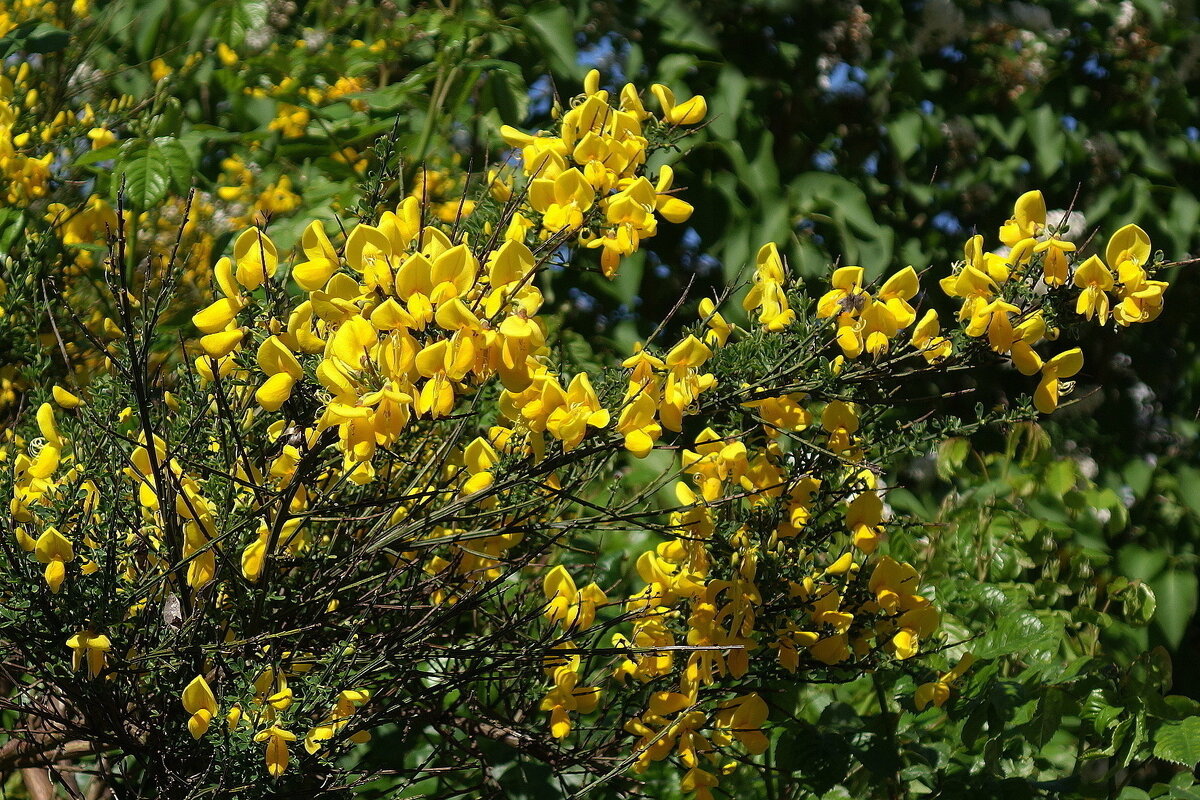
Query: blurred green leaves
(33, 37)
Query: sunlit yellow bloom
(562, 200)
(199, 701)
(1028, 220)
(64, 398)
(927, 337)
(1063, 365)
(256, 258)
(1095, 279)
(1054, 267)
(689, 112)
(92, 646)
(55, 551)
(277, 751)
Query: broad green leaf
(551, 25)
(34, 37)
(1175, 591)
(1046, 138)
(1060, 477)
(1179, 742)
(1017, 635)
(951, 455)
(905, 133)
(149, 168)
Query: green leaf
(1175, 591)
(34, 37)
(725, 106)
(905, 133)
(504, 91)
(235, 18)
(1139, 563)
(46, 38)
(951, 455)
(1139, 604)
(101, 154)
(683, 29)
(1016, 635)
(1060, 477)
(12, 226)
(551, 25)
(1046, 136)
(1179, 742)
(150, 167)
(1189, 488)
(1048, 719)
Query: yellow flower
(767, 295)
(227, 55)
(569, 414)
(976, 288)
(322, 258)
(92, 646)
(927, 338)
(1095, 279)
(199, 701)
(64, 398)
(55, 552)
(895, 294)
(1028, 220)
(718, 329)
(938, 692)
(159, 70)
(478, 459)
(562, 200)
(742, 719)
(256, 258)
(1129, 244)
(637, 422)
(282, 370)
(1054, 264)
(689, 112)
(277, 751)
(1063, 365)
(567, 605)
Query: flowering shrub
(368, 500)
(311, 504)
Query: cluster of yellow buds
(272, 697)
(865, 322)
(588, 179)
(26, 177)
(566, 695)
(994, 290)
(34, 486)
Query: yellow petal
(198, 695)
(275, 391)
(256, 258)
(64, 398)
(222, 343)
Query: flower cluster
(1005, 295)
